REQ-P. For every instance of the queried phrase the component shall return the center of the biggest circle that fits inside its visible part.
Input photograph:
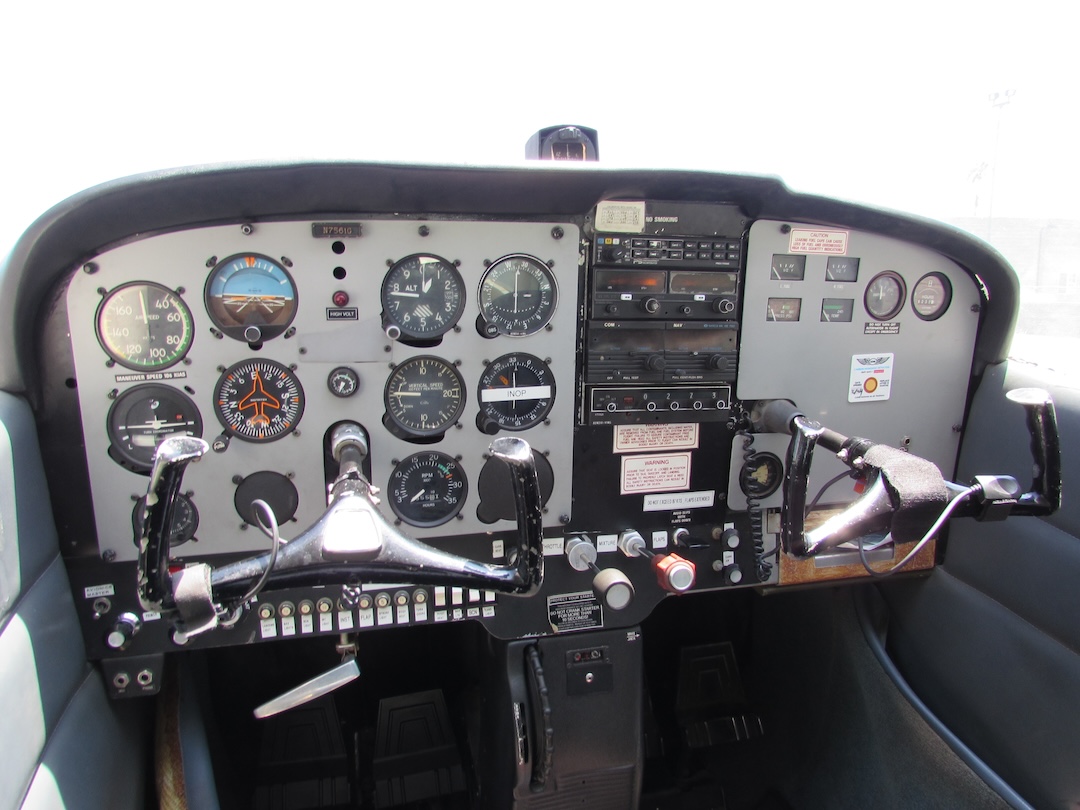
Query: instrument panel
(627, 347)
(434, 336)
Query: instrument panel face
(261, 338)
(868, 334)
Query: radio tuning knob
(650, 305)
(716, 362)
(612, 309)
(685, 309)
(656, 362)
(723, 305)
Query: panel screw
(90, 268)
(564, 518)
(285, 260)
(424, 230)
(975, 308)
(237, 479)
(557, 232)
(785, 228)
(108, 555)
(211, 261)
(957, 428)
(247, 230)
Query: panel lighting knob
(733, 575)
(650, 305)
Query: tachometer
(250, 297)
(259, 400)
(424, 396)
(516, 391)
(143, 417)
(144, 326)
(422, 297)
(427, 489)
(518, 295)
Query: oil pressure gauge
(884, 296)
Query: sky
(862, 101)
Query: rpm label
(871, 377)
(655, 473)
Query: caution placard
(574, 611)
(665, 472)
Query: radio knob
(656, 362)
(716, 362)
(650, 305)
(611, 407)
(613, 254)
(612, 309)
(723, 305)
(685, 309)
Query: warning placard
(811, 241)
(871, 377)
(655, 473)
(635, 438)
(574, 611)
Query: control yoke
(906, 495)
(351, 542)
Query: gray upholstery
(66, 744)
(991, 641)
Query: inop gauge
(516, 391)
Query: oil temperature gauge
(427, 489)
(516, 391)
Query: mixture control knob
(123, 630)
(613, 588)
(733, 575)
(673, 573)
(656, 362)
(650, 305)
(632, 544)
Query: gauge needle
(425, 283)
(406, 294)
(516, 274)
(142, 301)
(417, 496)
(405, 394)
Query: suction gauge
(250, 297)
(516, 391)
(427, 489)
(518, 295)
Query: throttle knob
(673, 573)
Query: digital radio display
(631, 281)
